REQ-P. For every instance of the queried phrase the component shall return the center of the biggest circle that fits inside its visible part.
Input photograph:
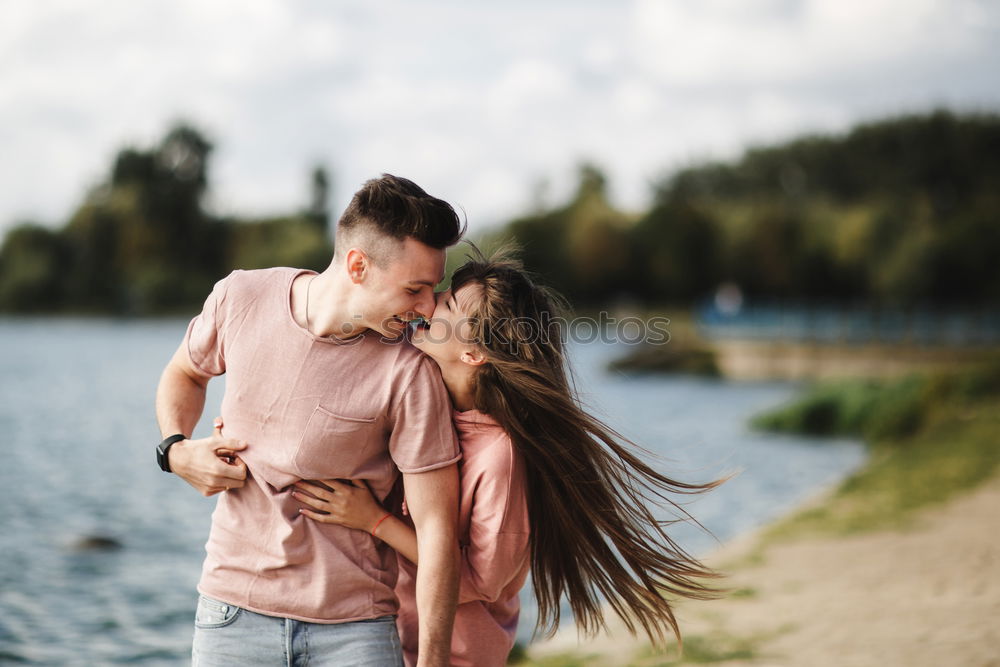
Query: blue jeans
(226, 635)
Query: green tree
(319, 198)
(678, 248)
(583, 248)
(33, 278)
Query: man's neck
(321, 306)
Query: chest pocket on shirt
(335, 446)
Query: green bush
(880, 410)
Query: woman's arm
(498, 548)
(356, 507)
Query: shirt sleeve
(205, 335)
(423, 437)
(498, 549)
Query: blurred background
(809, 190)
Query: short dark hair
(399, 208)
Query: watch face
(161, 458)
(163, 449)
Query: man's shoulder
(406, 360)
(251, 278)
(248, 284)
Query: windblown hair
(593, 533)
(398, 208)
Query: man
(320, 386)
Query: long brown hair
(593, 534)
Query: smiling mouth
(420, 324)
(397, 324)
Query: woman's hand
(343, 504)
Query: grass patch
(929, 436)
(561, 660)
(865, 408)
(673, 357)
(518, 654)
(700, 650)
(882, 409)
(684, 352)
(955, 453)
(744, 593)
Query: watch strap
(163, 450)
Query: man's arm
(203, 463)
(432, 500)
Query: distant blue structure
(731, 319)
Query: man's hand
(210, 464)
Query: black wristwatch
(163, 449)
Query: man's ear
(357, 264)
(473, 356)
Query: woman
(544, 485)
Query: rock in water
(96, 543)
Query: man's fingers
(210, 465)
(231, 444)
(229, 458)
(231, 483)
(218, 485)
(229, 473)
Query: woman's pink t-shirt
(493, 535)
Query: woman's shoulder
(478, 432)
(490, 452)
(493, 472)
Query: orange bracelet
(379, 522)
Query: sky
(491, 106)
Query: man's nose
(425, 307)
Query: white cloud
(527, 85)
(475, 102)
(751, 43)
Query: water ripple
(76, 410)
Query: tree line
(903, 211)
(143, 242)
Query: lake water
(77, 433)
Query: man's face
(403, 289)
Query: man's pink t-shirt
(493, 534)
(310, 408)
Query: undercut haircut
(390, 209)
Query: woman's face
(448, 334)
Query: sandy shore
(927, 595)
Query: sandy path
(928, 595)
